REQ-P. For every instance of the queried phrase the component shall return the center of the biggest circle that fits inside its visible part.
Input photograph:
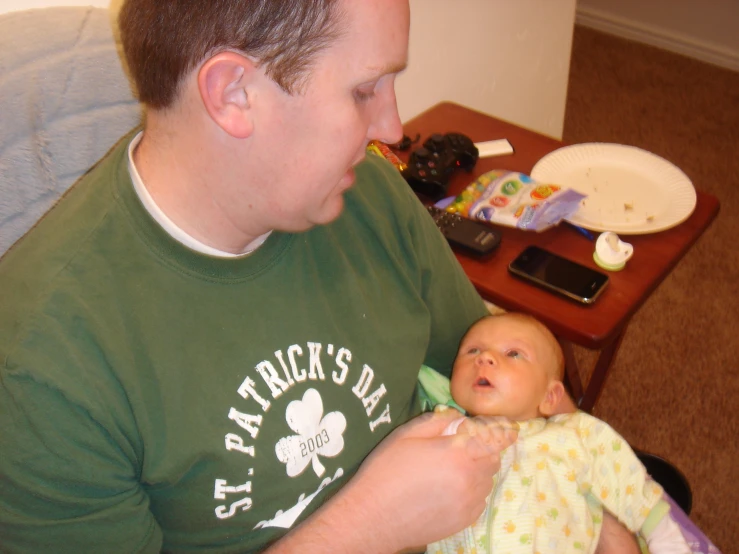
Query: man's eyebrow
(389, 68)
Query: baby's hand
(493, 431)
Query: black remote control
(466, 235)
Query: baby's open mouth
(482, 382)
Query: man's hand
(427, 487)
(416, 487)
(496, 431)
(615, 538)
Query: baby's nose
(485, 358)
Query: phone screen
(559, 274)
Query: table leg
(586, 397)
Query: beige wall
(508, 58)
(707, 30)
(14, 5)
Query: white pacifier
(611, 253)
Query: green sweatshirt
(153, 398)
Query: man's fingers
(491, 447)
(496, 421)
(496, 432)
(502, 438)
(430, 424)
(479, 450)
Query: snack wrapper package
(515, 200)
(383, 150)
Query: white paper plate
(630, 190)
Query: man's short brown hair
(163, 40)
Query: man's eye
(513, 354)
(362, 96)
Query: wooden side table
(600, 326)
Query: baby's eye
(473, 350)
(513, 354)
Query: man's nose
(386, 125)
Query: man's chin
(332, 210)
(329, 212)
(348, 179)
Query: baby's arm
(665, 537)
(620, 482)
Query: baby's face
(502, 368)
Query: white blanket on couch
(64, 102)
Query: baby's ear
(552, 397)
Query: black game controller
(431, 166)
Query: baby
(564, 470)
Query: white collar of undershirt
(168, 225)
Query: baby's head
(508, 365)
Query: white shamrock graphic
(316, 435)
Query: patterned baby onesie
(552, 487)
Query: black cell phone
(558, 274)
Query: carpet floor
(674, 386)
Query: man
(210, 333)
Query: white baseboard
(657, 36)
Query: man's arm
(400, 497)
(616, 538)
(63, 480)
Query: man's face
(307, 143)
(502, 368)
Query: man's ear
(552, 397)
(223, 85)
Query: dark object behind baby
(672, 479)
